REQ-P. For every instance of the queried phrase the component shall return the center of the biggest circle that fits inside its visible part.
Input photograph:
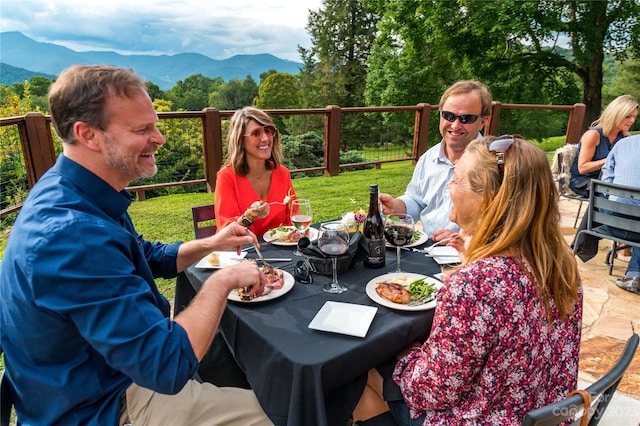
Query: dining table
(307, 376)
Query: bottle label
(376, 254)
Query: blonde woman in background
(595, 144)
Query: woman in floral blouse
(506, 332)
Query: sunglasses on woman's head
(464, 118)
(257, 133)
(501, 144)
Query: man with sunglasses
(465, 109)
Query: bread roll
(214, 259)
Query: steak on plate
(394, 292)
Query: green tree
(192, 94)
(234, 94)
(334, 68)
(490, 41)
(280, 91)
(625, 82)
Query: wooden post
(39, 155)
(211, 146)
(574, 127)
(332, 132)
(492, 127)
(421, 131)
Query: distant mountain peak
(20, 51)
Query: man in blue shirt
(87, 336)
(465, 108)
(622, 168)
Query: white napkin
(444, 254)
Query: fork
(440, 243)
(423, 300)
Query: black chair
(563, 186)
(601, 392)
(612, 213)
(204, 220)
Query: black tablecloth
(304, 376)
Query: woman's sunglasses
(464, 118)
(258, 132)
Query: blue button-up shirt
(427, 195)
(81, 317)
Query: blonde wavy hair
(236, 153)
(519, 209)
(619, 108)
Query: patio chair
(563, 180)
(204, 220)
(617, 213)
(598, 395)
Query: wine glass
(301, 217)
(333, 240)
(398, 230)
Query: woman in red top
(253, 188)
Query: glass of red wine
(398, 230)
(333, 240)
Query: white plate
(273, 294)
(227, 258)
(421, 240)
(373, 294)
(313, 235)
(344, 318)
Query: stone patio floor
(610, 316)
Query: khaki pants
(196, 404)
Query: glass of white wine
(301, 217)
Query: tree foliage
(334, 68)
(517, 54)
(192, 94)
(234, 94)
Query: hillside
(20, 51)
(10, 74)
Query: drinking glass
(301, 216)
(398, 230)
(333, 240)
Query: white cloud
(215, 28)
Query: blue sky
(216, 28)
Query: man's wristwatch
(245, 221)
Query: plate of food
(220, 259)
(281, 283)
(404, 291)
(419, 237)
(288, 235)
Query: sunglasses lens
(501, 145)
(464, 118)
(271, 131)
(468, 118)
(449, 116)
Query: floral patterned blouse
(491, 355)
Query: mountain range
(20, 51)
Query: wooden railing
(36, 137)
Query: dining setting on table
(306, 344)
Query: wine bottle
(374, 231)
